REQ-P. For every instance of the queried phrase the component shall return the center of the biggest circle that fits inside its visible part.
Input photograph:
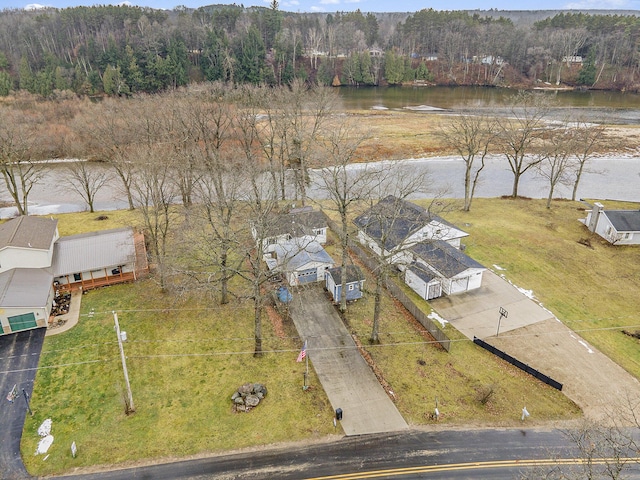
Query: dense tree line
(122, 50)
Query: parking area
(533, 335)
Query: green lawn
(185, 360)
(186, 356)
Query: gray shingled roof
(297, 222)
(392, 220)
(28, 232)
(354, 274)
(25, 287)
(93, 251)
(624, 220)
(445, 258)
(296, 256)
(422, 272)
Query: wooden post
(130, 407)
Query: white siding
(16, 257)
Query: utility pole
(130, 407)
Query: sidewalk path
(345, 376)
(70, 318)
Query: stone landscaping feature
(248, 396)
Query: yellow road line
(393, 472)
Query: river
(608, 178)
(611, 177)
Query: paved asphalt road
(449, 454)
(19, 356)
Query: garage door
(307, 276)
(22, 322)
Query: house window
(351, 287)
(77, 277)
(627, 236)
(608, 229)
(318, 231)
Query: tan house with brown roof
(34, 260)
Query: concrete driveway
(19, 356)
(533, 335)
(476, 313)
(346, 378)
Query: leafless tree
(470, 136)
(588, 138)
(86, 179)
(219, 184)
(108, 130)
(518, 132)
(18, 147)
(154, 194)
(260, 198)
(556, 163)
(390, 220)
(344, 182)
(306, 112)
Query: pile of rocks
(248, 396)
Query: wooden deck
(88, 284)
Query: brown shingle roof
(28, 232)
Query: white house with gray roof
(35, 262)
(296, 223)
(619, 227)
(302, 260)
(422, 245)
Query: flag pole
(306, 373)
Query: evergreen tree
(393, 68)
(250, 55)
(587, 75)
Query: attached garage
(22, 322)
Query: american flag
(303, 352)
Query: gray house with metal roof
(393, 225)
(619, 227)
(35, 262)
(353, 285)
(94, 259)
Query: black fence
(397, 292)
(522, 366)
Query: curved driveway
(19, 356)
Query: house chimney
(595, 213)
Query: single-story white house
(453, 269)
(94, 259)
(35, 262)
(302, 261)
(355, 282)
(618, 227)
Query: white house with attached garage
(618, 227)
(302, 260)
(36, 263)
(424, 246)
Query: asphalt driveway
(19, 356)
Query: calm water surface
(608, 107)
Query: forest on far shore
(123, 50)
